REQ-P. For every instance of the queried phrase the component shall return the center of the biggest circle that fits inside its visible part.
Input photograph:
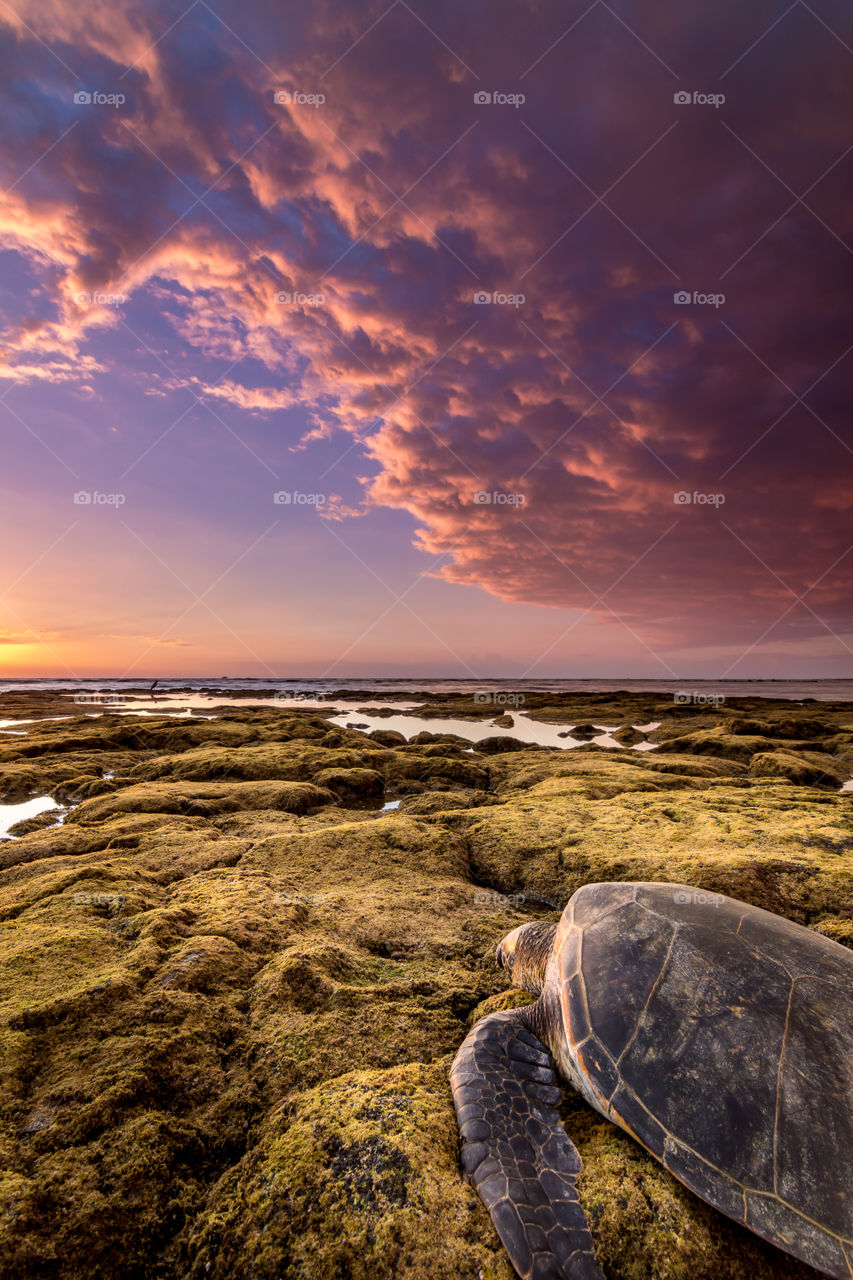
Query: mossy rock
(510, 999)
(787, 850)
(799, 728)
(228, 1014)
(57, 775)
(387, 737)
(430, 765)
(628, 736)
(359, 1178)
(704, 767)
(204, 799)
(294, 761)
(803, 770)
(581, 731)
(351, 784)
(75, 790)
(426, 738)
(498, 745)
(718, 742)
(430, 802)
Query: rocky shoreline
(235, 978)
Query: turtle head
(524, 954)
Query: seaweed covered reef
(234, 983)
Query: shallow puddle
(186, 703)
(12, 813)
(349, 715)
(523, 729)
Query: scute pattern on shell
(720, 1036)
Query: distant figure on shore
(151, 690)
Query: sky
(507, 338)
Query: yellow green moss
(230, 1002)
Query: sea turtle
(718, 1035)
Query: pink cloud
(445, 397)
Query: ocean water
(311, 687)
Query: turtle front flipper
(516, 1151)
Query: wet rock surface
(233, 985)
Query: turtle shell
(720, 1036)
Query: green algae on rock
(230, 1002)
(804, 768)
(204, 798)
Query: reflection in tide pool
(12, 813)
(523, 729)
(186, 703)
